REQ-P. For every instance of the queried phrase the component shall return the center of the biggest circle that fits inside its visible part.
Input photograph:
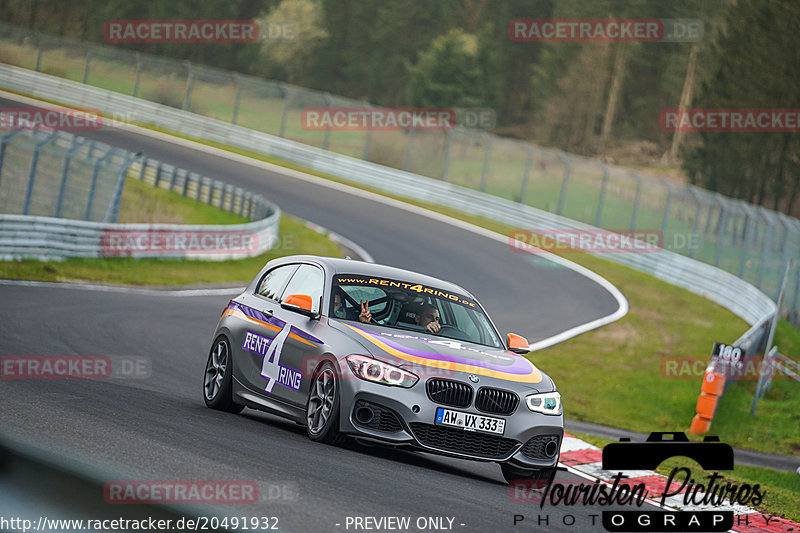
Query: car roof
(336, 265)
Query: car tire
(539, 477)
(322, 407)
(218, 378)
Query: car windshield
(410, 306)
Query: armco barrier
(46, 238)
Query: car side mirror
(518, 344)
(299, 303)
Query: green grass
(782, 489)
(144, 203)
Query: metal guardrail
(724, 288)
(750, 242)
(46, 237)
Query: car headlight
(548, 403)
(370, 369)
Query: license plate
(470, 422)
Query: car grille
(536, 448)
(384, 419)
(460, 441)
(447, 392)
(497, 401)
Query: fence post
(409, 144)
(142, 169)
(32, 176)
(764, 248)
(665, 218)
(768, 349)
(487, 159)
(636, 197)
(186, 177)
(172, 178)
(157, 179)
(3, 145)
(696, 224)
(562, 197)
(796, 290)
(77, 144)
(721, 233)
(39, 54)
(138, 57)
(786, 243)
(94, 182)
(112, 213)
(746, 243)
(187, 97)
(326, 137)
(285, 114)
(86, 67)
(527, 172)
(237, 100)
(367, 139)
(601, 200)
(448, 143)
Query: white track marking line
(125, 290)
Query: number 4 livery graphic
(270, 368)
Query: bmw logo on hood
(473, 378)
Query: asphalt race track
(157, 427)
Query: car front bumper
(407, 417)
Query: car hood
(439, 356)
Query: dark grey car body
(487, 381)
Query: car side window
(272, 282)
(465, 323)
(307, 280)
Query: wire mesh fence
(748, 241)
(56, 174)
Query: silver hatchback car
(348, 348)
